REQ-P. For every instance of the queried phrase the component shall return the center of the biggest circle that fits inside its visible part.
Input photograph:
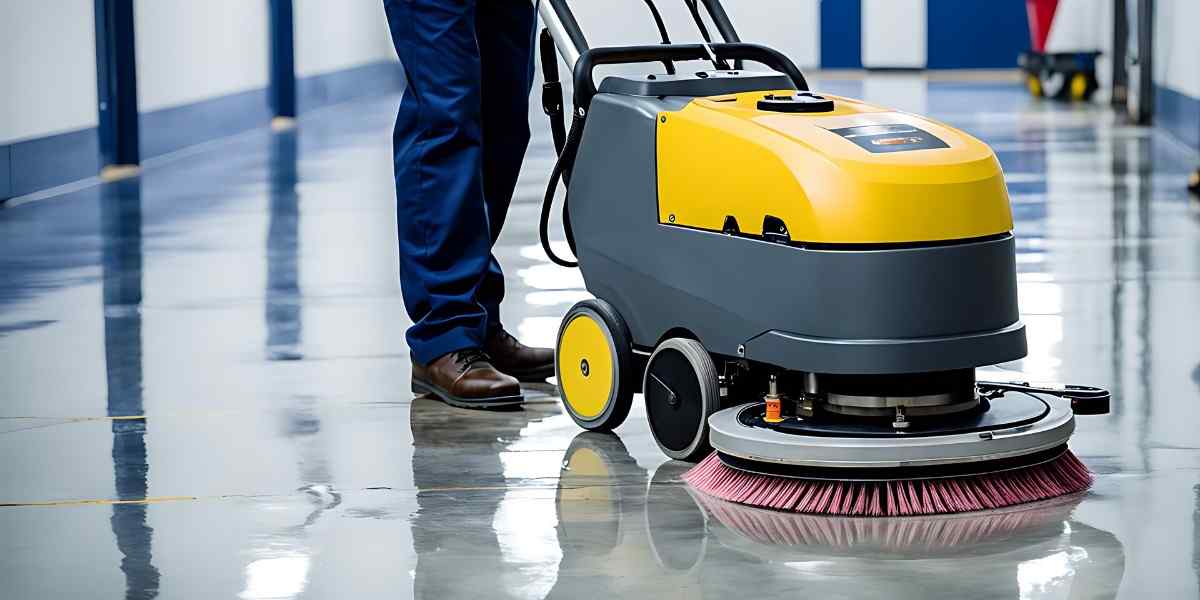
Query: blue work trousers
(460, 137)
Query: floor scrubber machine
(803, 282)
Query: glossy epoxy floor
(204, 393)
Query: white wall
(1177, 45)
(790, 26)
(48, 87)
(893, 33)
(339, 35)
(1085, 25)
(189, 50)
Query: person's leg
(505, 31)
(442, 219)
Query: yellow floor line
(44, 422)
(161, 499)
(101, 501)
(76, 419)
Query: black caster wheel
(593, 362)
(681, 391)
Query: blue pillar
(283, 61)
(116, 83)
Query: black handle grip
(1087, 400)
(585, 86)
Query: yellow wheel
(1034, 84)
(592, 361)
(1079, 86)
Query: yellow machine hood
(860, 174)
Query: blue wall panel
(170, 129)
(1178, 114)
(41, 163)
(841, 34)
(330, 88)
(976, 34)
(5, 181)
(53, 160)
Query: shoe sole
(538, 375)
(421, 387)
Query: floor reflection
(622, 532)
(121, 261)
(281, 558)
(460, 481)
(283, 250)
(301, 421)
(1132, 235)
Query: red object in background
(1041, 15)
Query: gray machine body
(830, 310)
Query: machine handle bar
(561, 22)
(1085, 400)
(585, 85)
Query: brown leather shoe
(466, 379)
(523, 362)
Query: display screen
(891, 138)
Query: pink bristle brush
(1059, 476)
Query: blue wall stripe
(331, 88)
(53, 160)
(170, 129)
(975, 34)
(841, 34)
(5, 179)
(1178, 114)
(41, 163)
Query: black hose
(695, 10)
(691, 4)
(662, 32)
(562, 170)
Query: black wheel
(1194, 182)
(681, 391)
(593, 361)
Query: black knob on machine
(799, 102)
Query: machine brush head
(1059, 476)
(924, 536)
